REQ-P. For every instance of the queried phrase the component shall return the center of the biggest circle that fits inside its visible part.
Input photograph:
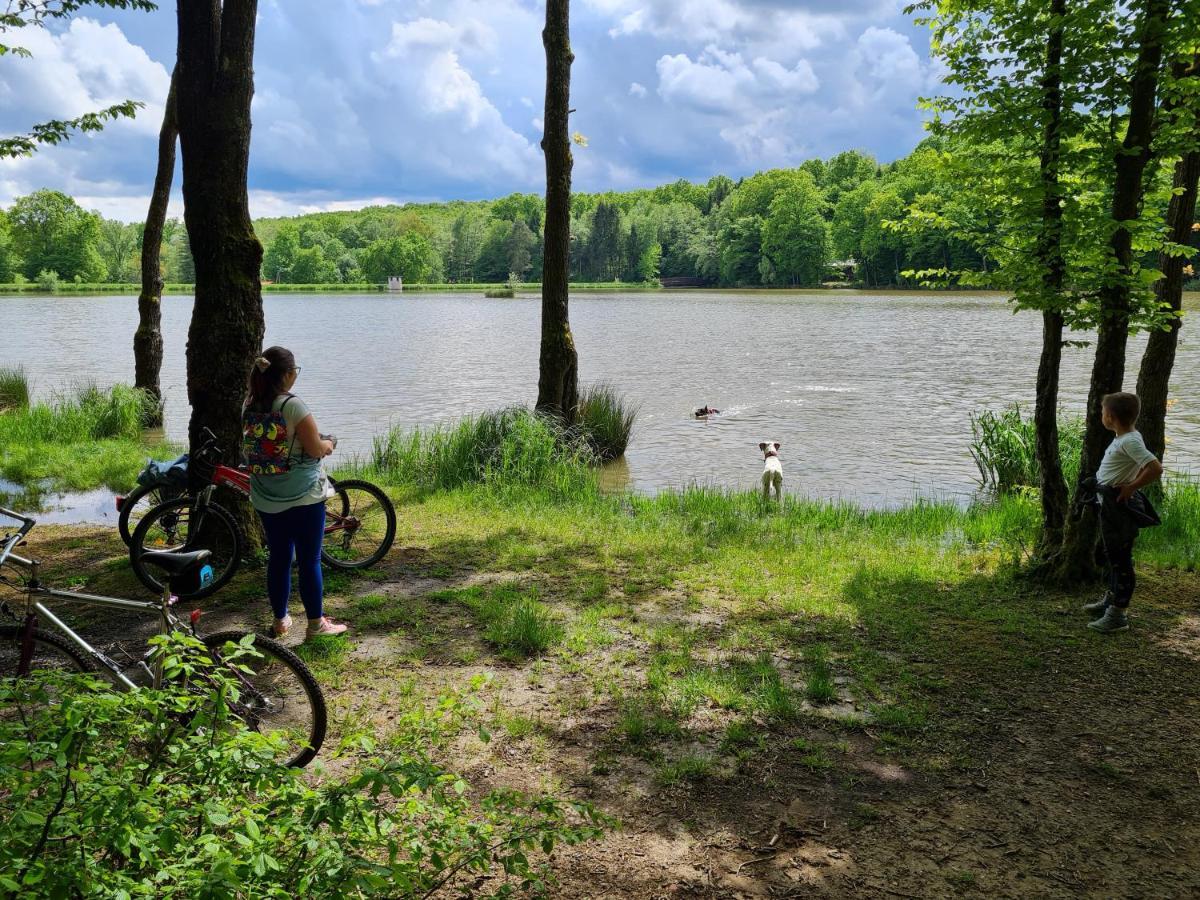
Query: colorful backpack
(265, 441)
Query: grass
(77, 441)
(106, 287)
(511, 447)
(515, 622)
(14, 388)
(605, 420)
(1004, 446)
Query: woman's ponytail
(266, 377)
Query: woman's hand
(310, 438)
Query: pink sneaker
(324, 626)
(281, 626)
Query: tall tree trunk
(1050, 255)
(1158, 360)
(1077, 563)
(147, 340)
(558, 372)
(214, 84)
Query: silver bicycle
(277, 694)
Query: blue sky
(366, 101)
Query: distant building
(395, 283)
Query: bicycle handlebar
(11, 542)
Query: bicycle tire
(368, 543)
(48, 646)
(298, 682)
(154, 493)
(168, 518)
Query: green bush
(47, 280)
(14, 388)
(508, 447)
(605, 420)
(1004, 446)
(161, 794)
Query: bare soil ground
(1023, 763)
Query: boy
(1127, 465)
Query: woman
(287, 486)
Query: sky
(361, 102)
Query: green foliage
(776, 228)
(47, 281)
(14, 388)
(508, 447)
(161, 793)
(50, 231)
(1004, 448)
(410, 256)
(605, 420)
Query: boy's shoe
(1113, 620)
(1098, 607)
(281, 626)
(323, 627)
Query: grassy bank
(68, 287)
(77, 441)
(808, 682)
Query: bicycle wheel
(360, 525)
(50, 651)
(179, 525)
(137, 503)
(279, 695)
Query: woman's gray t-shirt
(304, 482)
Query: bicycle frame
(34, 608)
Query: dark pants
(1121, 577)
(1117, 536)
(296, 532)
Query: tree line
(778, 228)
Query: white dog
(772, 475)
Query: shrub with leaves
(161, 794)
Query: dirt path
(1052, 765)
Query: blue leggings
(299, 531)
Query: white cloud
(425, 33)
(775, 24)
(637, 90)
(719, 81)
(87, 67)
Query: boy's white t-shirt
(1125, 457)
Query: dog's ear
(762, 446)
(777, 446)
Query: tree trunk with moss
(214, 86)
(1158, 360)
(147, 340)
(1077, 561)
(558, 370)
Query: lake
(869, 394)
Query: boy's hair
(1123, 406)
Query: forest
(796, 227)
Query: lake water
(869, 394)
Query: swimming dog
(772, 475)
(705, 411)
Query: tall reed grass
(86, 414)
(605, 420)
(510, 447)
(14, 388)
(1004, 446)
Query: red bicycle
(360, 524)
